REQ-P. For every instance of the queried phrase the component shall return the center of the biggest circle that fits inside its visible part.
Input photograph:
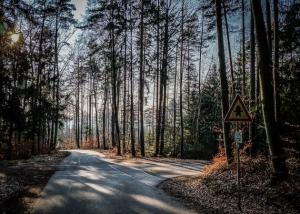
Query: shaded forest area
(149, 76)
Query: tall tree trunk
(125, 79)
(132, 134)
(124, 103)
(188, 75)
(142, 142)
(90, 105)
(87, 114)
(174, 103)
(252, 88)
(180, 83)
(269, 27)
(109, 140)
(80, 125)
(158, 85)
(244, 53)
(223, 79)
(276, 66)
(96, 114)
(159, 110)
(275, 145)
(57, 83)
(153, 118)
(164, 80)
(77, 107)
(229, 51)
(199, 82)
(104, 114)
(115, 119)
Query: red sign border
(236, 99)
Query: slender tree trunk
(90, 106)
(104, 114)
(174, 103)
(199, 82)
(132, 134)
(158, 96)
(124, 104)
(276, 66)
(77, 107)
(112, 123)
(115, 119)
(109, 142)
(163, 120)
(244, 53)
(180, 83)
(57, 84)
(229, 51)
(125, 80)
(96, 115)
(188, 75)
(275, 145)
(159, 115)
(52, 114)
(153, 118)
(252, 88)
(269, 27)
(75, 126)
(40, 117)
(87, 114)
(223, 79)
(80, 125)
(142, 83)
(164, 80)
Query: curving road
(87, 182)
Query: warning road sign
(238, 112)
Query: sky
(80, 8)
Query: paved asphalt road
(87, 182)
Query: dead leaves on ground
(216, 190)
(21, 181)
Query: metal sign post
(238, 113)
(238, 140)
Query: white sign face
(238, 137)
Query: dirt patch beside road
(22, 181)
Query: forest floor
(22, 181)
(212, 191)
(215, 189)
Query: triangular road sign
(238, 112)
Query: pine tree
(275, 145)
(223, 80)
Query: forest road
(87, 182)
